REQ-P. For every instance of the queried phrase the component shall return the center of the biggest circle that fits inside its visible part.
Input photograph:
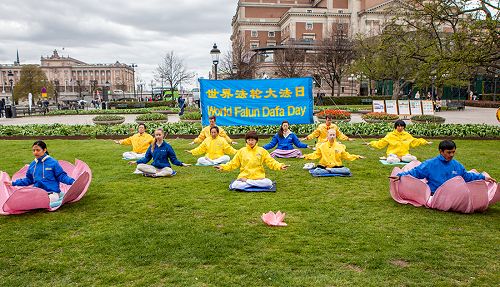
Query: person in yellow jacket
(251, 159)
(140, 143)
(398, 144)
(322, 130)
(215, 148)
(331, 154)
(205, 133)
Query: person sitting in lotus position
(215, 149)
(140, 143)
(322, 130)
(205, 133)
(161, 153)
(331, 154)
(251, 159)
(398, 144)
(45, 172)
(443, 167)
(285, 139)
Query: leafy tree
(291, 62)
(32, 80)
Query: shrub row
(328, 101)
(483, 104)
(182, 128)
(131, 104)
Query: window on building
(309, 26)
(308, 37)
(271, 44)
(271, 34)
(309, 11)
(254, 45)
(254, 34)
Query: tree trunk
(395, 90)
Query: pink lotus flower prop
(274, 219)
(453, 195)
(21, 199)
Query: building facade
(262, 25)
(73, 78)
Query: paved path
(471, 115)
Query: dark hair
(280, 132)
(42, 145)
(447, 145)
(399, 123)
(212, 118)
(251, 135)
(142, 124)
(214, 127)
(329, 117)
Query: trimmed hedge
(131, 104)
(183, 128)
(483, 104)
(328, 101)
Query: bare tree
(291, 62)
(172, 70)
(239, 63)
(333, 57)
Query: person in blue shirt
(162, 154)
(45, 172)
(285, 139)
(442, 168)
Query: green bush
(428, 119)
(108, 118)
(483, 104)
(151, 117)
(146, 104)
(191, 116)
(183, 128)
(328, 101)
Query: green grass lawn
(190, 230)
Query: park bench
(26, 111)
(366, 101)
(140, 105)
(121, 106)
(459, 105)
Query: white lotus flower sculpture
(21, 199)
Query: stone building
(266, 25)
(75, 79)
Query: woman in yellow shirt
(251, 159)
(215, 149)
(139, 142)
(398, 144)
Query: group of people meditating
(215, 144)
(46, 173)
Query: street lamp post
(79, 89)
(495, 89)
(11, 81)
(215, 57)
(133, 66)
(56, 91)
(352, 83)
(105, 93)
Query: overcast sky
(106, 31)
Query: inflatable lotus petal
(16, 200)
(274, 219)
(453, 195)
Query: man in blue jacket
(442, 168)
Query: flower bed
(338, 115)
(153, 117)
(427, 119)
(379, 117)
(108, 120)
